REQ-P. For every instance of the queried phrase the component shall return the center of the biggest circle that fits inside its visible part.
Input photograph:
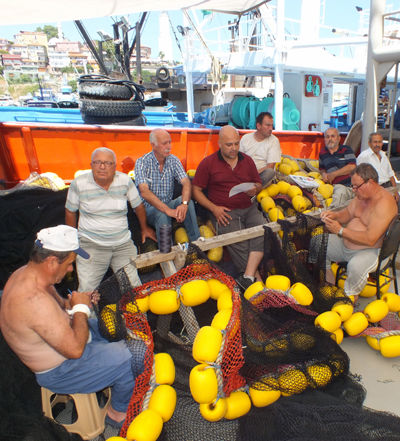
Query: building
(35, 38)
(58, 60)
(69, 46)
(4, 44)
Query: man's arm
(142, 217)
(269, 165)
(394, 184)
(346, 170)
(182, 209)
(70, 218)
(220, 213)
(153, 200)
(52, 325)
(343, 217)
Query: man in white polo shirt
(101, 198)
(263, 147)
(378, 159)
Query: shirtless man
(358, 230)
(53, 335)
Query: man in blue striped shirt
(155, 175)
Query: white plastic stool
(90, 422)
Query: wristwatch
(184, 202)
(340, 234)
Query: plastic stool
(90, 422)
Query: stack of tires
(104, 100)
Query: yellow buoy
(283, 187)
(215, 254)
(253, 289)
(390, 346)
(314, 175)
(373, 342)
(191, 173)
(299, 203)
(203, 383)
(344, 310)
(206, 345)
(295, 167)
(221, 319)
(328, 320)
(285, 169)
(216, 287)
(164, 302)
(206, 232)
(263, 193)
(355, 324)
(281, 283)
(338, 335)
(293, 191)
(325, 191)
(273, 190)
(213, 412)
(301, 293)
(237, 405)
(142, 304)
(292, 382)
(225, 300)
(392, 300)
(181, 235)
(163, 401)
(195, 292)
(164, 368)
(376, 311)
(267, 204)
(263, 397)
(320, 374)
(147, 426)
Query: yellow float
(373, 342)
(376, 311)
(301, 293)
(264, 397)
(320, 375)
(328, 320)
(390, 346)
(216, 287)
(283, 187)
(263, 194)
(292, 382)
(338, 335)
(267, 204)
(225, 300)
(221, 319)
(281, 283)
(164, 302)
(355, 324)
(345, 310)
(147, 426)
(237, 405)
(294, 191)
(213, 412)
(164, 368)
(392, 300)
(253, 289)
(203, 383)
(195, 293)
(163, 401)
(273, 190)
(142, 304)
(206, 345)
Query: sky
(338, 13)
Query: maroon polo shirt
(217, 176)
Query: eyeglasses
(356, 187)
(105, 163)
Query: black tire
(97, 89)
(162, 75)
(127, 121)
(110, 109)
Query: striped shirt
(103, 213)
(147, 171)
(330, 162)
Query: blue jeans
(102, 364)
(156, 218)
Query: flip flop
(113, 423)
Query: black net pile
(301, 256)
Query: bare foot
(330, 278)
(115, 415)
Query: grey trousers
(266, 176)
(242, 219)
(359, 263)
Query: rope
(152, 386)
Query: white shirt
(103, 213)
(265, 152)
(383, 167)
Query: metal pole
(91, 46)
(138, 55)
(127, 58)
(392, 112)
(142, 19)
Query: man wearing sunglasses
(358, 230)
(101, 198)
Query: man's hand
(252, 192)
(328, 214)
(222, 216)
(80, 297)
(181, 211)
(333, 226)
(324, 176)
(148, 232)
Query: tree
(3, 52)
(67, 69)
(50, 31)
(74, 85)
(161, 55)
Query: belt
(386, 184)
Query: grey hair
(332, 128)
(103, 150)
(366, 172)
(373, 134)
(153, 136)
(40, 254)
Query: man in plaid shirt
(155, 175)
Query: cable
(173, 30)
